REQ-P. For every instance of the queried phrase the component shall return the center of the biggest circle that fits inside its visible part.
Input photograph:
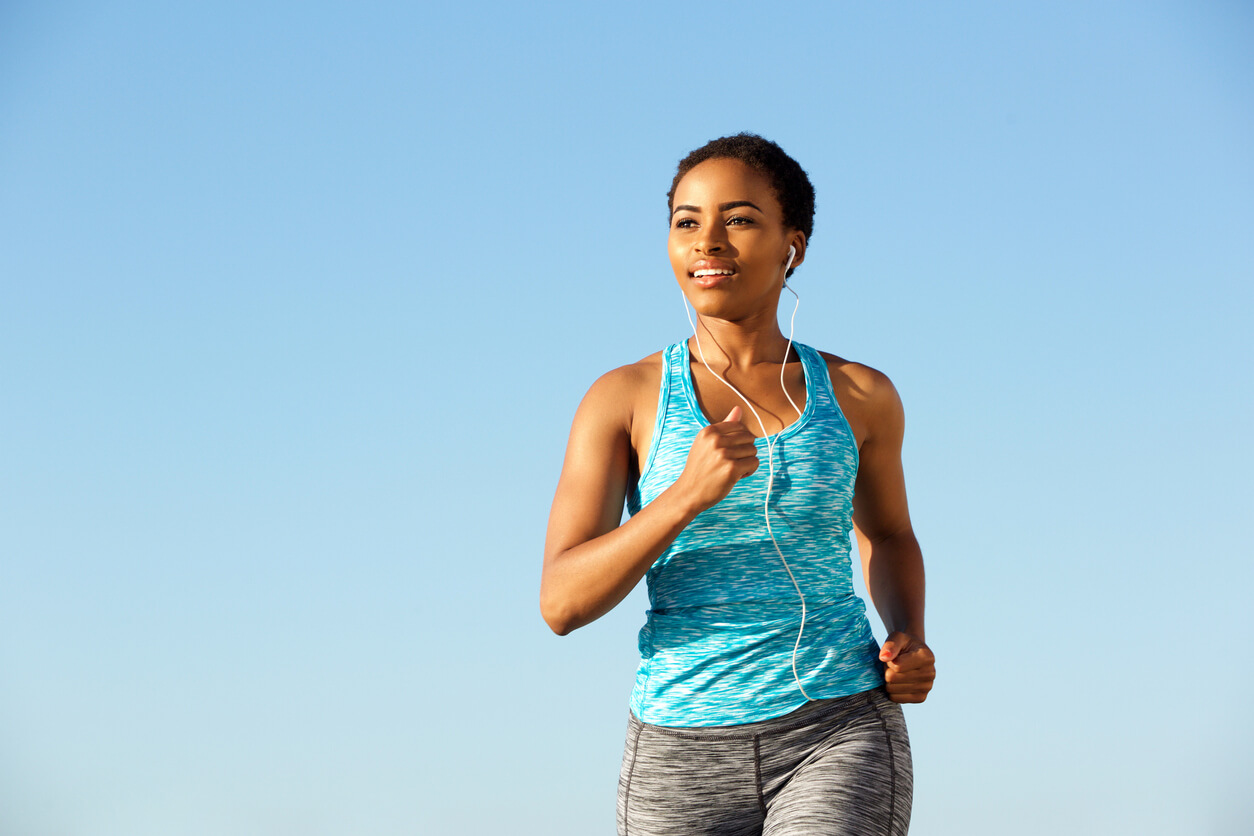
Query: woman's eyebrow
(722, 207)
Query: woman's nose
(711, 241)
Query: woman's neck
(740, 345)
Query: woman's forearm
(582, 583)
(893, 570)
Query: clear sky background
(297, 302)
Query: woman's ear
(797, 249)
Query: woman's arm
(892, 563)
(590, 561)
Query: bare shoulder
(632, 375)
(617, 399)
(622, 386)
(610, 428)
(867, 383)
(866, 396)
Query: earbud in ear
(792, 253)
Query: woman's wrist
(915, 632)
(679, 501)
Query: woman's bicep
(593, 483)
(879, 506)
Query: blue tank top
(717, 645)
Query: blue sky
(297, 302)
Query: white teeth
(700, 273)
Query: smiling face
(728, 242)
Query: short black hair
(789, 180)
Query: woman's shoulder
(858, 376)
(631, 378)
(866, 395)
(624, 400)
(619, 395)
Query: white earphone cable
(770, 455)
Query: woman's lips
(709, 280)
(711, 273)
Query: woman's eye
(739, 219)
(684, 223)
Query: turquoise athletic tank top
(717, 645)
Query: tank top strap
(827, 409)
(676, 367)
(820, 382)
(672, 387)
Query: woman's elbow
(557, 624)
(559, 617)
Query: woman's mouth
(711, 276)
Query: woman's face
(728, 243)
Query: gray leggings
(837, 766)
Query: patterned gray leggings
(837, 766)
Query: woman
(762, 703)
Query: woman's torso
(717, 646)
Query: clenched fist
(910, 668)
(722, 454)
